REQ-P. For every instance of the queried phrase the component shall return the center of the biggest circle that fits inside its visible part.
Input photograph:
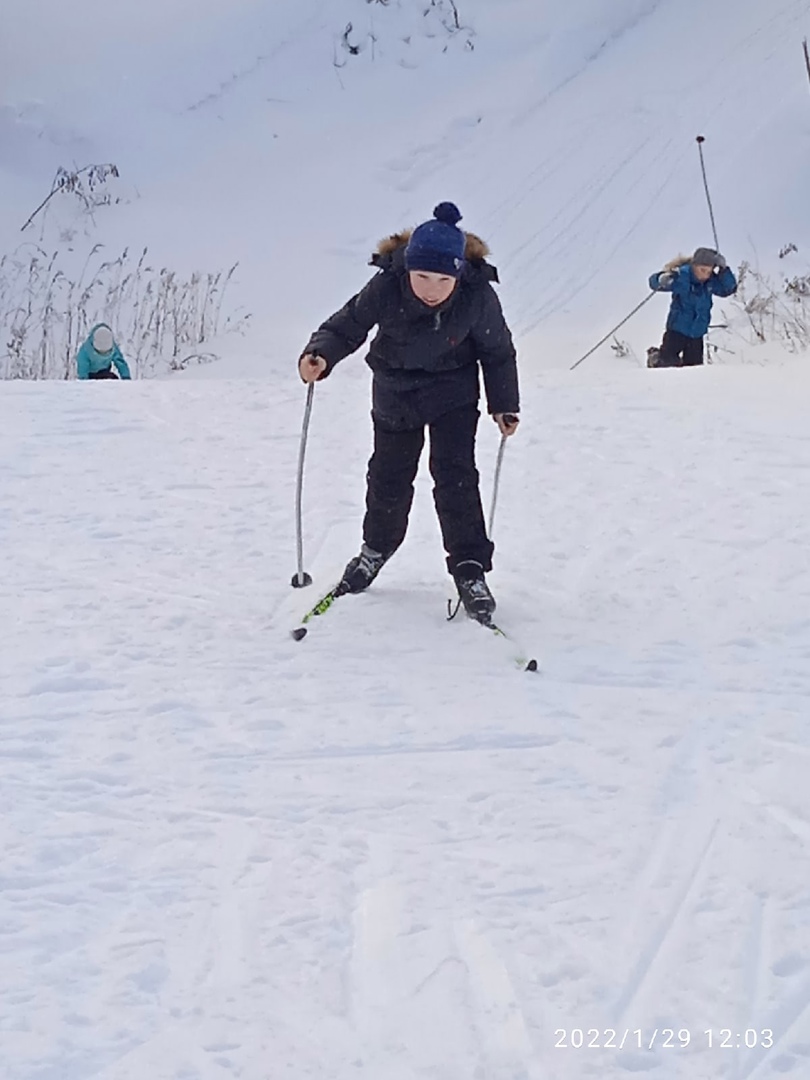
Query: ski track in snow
(382, 851)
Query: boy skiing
(692, 282)
(438, 318)
(98, 355)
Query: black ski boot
(653, 356)
(361, 570)
(473, 591)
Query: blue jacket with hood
(691, 309)
(89, 360)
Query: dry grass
(162, 321)
(774, 311)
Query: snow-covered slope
(384, 852)
(565, 132)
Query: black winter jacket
(425, 360)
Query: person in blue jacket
(99, 355)
(693, 283)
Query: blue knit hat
(438, 246)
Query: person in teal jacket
(99, 355)
(693, 283)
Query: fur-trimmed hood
(677, 262)
(475, 250)
(390, 254)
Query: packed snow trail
(381, 851)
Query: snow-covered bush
(435, 20)
(766, 310)
(90, 186)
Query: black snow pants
(678, 350)
(391, 474)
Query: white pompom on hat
(103, 339)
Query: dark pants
(391, 474)
(105, 373)
(678, 350)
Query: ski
(520, 658)
(519, 655)
(323, 605)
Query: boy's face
(432, 289)
(702, 273)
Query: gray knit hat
(103, 339)
(705, 257)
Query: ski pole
(509, 418)
(495, 484)
(613, 331)
(700, 141)
(300, 578)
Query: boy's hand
(507, 422)
(720, 262)
(666, 277)
(310, 367)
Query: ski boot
(361, 570)
(473, 591)
(653, 356)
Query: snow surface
(384, 853)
